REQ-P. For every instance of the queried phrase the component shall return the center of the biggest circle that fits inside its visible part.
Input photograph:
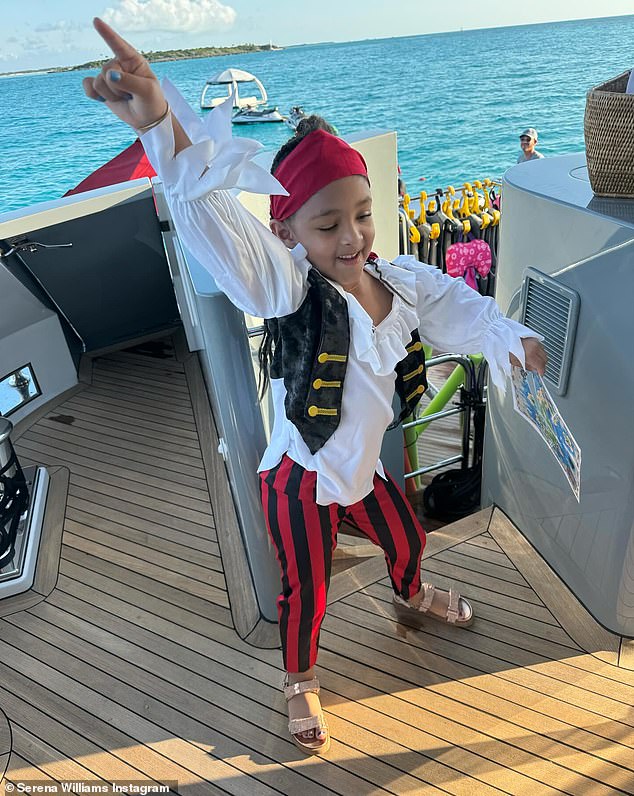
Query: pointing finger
(119, 46)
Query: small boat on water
(231, 79)
(251, 115)
(248, 109)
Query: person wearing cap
(341, 336)
(528, 139)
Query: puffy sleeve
(454, 317)
(249, 264)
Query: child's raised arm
(198, 163)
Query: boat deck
(126, 667)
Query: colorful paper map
(534, 403)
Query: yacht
(138, 631)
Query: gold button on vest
(325, 357)
(313, 411)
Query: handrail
(464, 374)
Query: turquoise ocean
(458, 101)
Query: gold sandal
(416, 609)
(317, 722)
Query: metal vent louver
(552, 310)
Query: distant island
(158, 56)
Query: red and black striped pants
(305, 535)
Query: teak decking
(123, 663)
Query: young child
(342, 334)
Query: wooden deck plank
(5, 735)
(184, 508)
(173, 381)
(593, 686)
(141, 591)
(139, 368)
(151, 489)
(488, 691)
(149, 484)
(211, 588)
(389, 726)
(133, 407)
(144, 384)
(44, 451)
(161, 551)
(132, 661)
(572, 615)
(479, 758)
(479, 552)
(56, 766)
(96, 418)
(168, 406)
(137, 360)
(175, 396)
(487, 542)
(195, 535)
(445, 576)
(219, 651)
(379, 603)
(144, 469)
(138, 745)
(191, 565)
(127, 438)
(120, 368)
(150, 515)
(521, 596)
(137, 696)
(458, 661)
(460, 531)
(262, 685)
(19, 770)
(65, 745)
(493, 570)
(179, 545)
(61, 439)
(468, 728)
(103, 414)
(590, 663)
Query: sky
(41, 33)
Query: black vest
(311, 354)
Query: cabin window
(17, 389)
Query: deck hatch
(552, 310)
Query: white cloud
(173, 16)
(35, 44)
(63, 26)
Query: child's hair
(307, 125)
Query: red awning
(130, 164)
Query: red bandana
(320, 158)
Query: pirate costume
(334, 372)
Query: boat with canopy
(252, 108)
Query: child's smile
(336, 228)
